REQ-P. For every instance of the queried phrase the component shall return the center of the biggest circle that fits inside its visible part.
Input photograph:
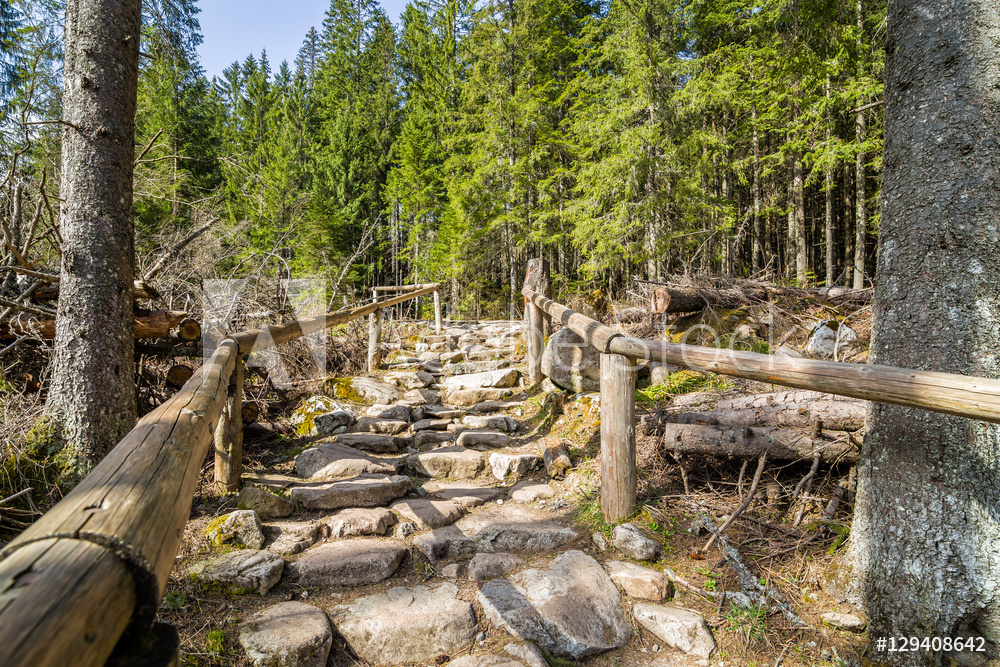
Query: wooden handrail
(89, 574)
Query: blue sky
(234, 29)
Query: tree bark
(861, 219)
(92, 400)
(926, 539)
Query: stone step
(360, 491)
(455, 462)
(497, 529)
(348, 563)
(334, 460)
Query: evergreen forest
(621, 140)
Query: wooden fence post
(229, 435)
(618, 473)
(437, 311)
(536, 279)
(374, 340)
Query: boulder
(823, 340)
(464, 493)
(456, 462)
(502, 529)
(474, 396)
(240, 529)
(528, 492)
(570, 608)
(291, 537)
(348, 563)
(303, 419)
(428, 514)
(491, 422)
(263, 503)
(506, 377)
(407, 625)
(484, 567)
(357, 521)
(630, 540)
(240, 572)
(371, 442)
(571, 363)
(396, 412)
(334, 422)
(512, 464)
(289, 634)
(383, 426)
(483, 439)
(640, 582)
(678, 628)
(334, 460)
(362, 390)
(410, 379)
(360, 491)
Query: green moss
(343, 389)
(302, 419)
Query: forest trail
(426, 528)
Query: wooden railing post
(374, 340)
(437, 311)
(536, 279)
(618, 473)
(229, 435)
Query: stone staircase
(422, 529)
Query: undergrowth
(681, 382)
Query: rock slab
(289, 634)
(490, 531)
(640, 582)
(457, 462)
(485, 566)
(240, 529)
(407, 624)
(629, 539)
(359, 521)
(571, 608)
(334, 460)
(511, 464)
(263, 503)
(428, 514)
(360, 491)
(240, 572)
(348, 563)
(678, 628)
(291, 537)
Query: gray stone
(441, 412)
(291, 537)
(397, 412)
(570, 607)
(429, 514)
(431, 425)
(468, 367)
(529, 492)
(445, 346)
(512, 464)
(485, 566)
(640, 582)
(527, 653)
(348, 563)
(491, 422)
(334, 460)
(505, 377)
(489, 660)
(823, 340)
(502, 529)
(483, 439)
(374, 391)
(331, 422)
(571, 363)
(405, 529)
(489, 354)
(240, 529)
(289, 634)
(383, 426)
(422, 396)
(303, 420)
(263, 503)
(360, 491)
(629, 539)
(424, 438)
(456, 462)
(452, 357)
(843, 621)
(452, 570)
(411, 379)
(495, 406)
(678, 628)
(599, 541)
(359, 521)
(464, 493)
(407, 625)
(474, 396)
(240, 572)
(371, 442)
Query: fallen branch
(761, 462)
(180, 245)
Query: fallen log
(178, 375)
(188, 330)
(140, 290)
(148, 324)
(249, 412)
(780, 399)
(692, 299)
(780, 444)
(555, 457)
(831, 415)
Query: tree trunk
(799, 212)
(92, 400)
(861, 219)
(926, 538)
(828, 219)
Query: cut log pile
(677, 299)
(783, 425)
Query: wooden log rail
(85, 580)
(964, 396)
(375, 319)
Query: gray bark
(926, 535)
(861, 219)
(93, 392)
